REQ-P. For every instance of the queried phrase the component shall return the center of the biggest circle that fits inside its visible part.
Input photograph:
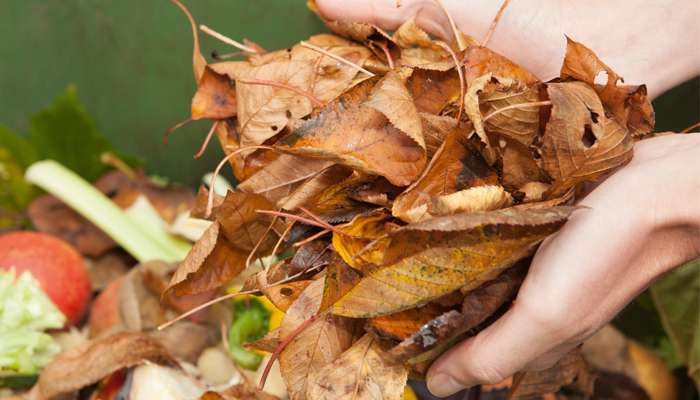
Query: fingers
(386, 15)
(496, 353)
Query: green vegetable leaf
(25, 313)
(251, 322)
(64, 132)
(15, 192)
(677, 298)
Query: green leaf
(20, 148)
(251, 321)
(15, 192)
(677, 298)
(64, 132)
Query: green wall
(130, 60)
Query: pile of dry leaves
(402, 183)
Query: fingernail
(443, 385)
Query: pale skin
(637, 225)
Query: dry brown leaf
(349, 133)
(242, 225)
(437, 128)
(89, 363)
(304, 193)
(479, 61)
(433, 91)
(363, 372)
(429, 259)
(629, 105)
(580, 143)
(316, 346)
(212, 262)
(268, 343)
(391, 97)
(263, 111)
(519, 165)
(480, 198)
(283, 295)
(215, 97)
(336, 203)
(186, 340)
(418, 50)
(471, 105)
(521, 123)
(456, 166)
(280, 178)
(331, 77)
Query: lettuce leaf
(25, 313)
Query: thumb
(497, 352)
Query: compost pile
(395, 186)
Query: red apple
(55, 264)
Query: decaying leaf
(212, 262)
(89, 363)
(629, 105)
(391, 97)
(456, 166)
(429, 259)
(362, 372)
(264, 110)
(403, 324)
(364, 241)
(580, 142)
(318, 345)
(340, 278)
(215, 97)
(355, 135)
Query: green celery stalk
(101, 211)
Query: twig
(264, 82)
(335, 57)
(312, 238)
(226, 39)
(281, 239)
(203, 306)
(285, 342)
(174, 128)
(387, 53)
(455, 31)
(494, 23)
(462, 83)
(259, 243)
(521, 105)
(691, 127)
(206, 141)
(217, 171)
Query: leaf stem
(226, 39)
(335, 57)
(494, 23)
(206, 141)
(462, 83)
(514, 106)
(281, 85)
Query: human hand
(646, 41)
(637, 225)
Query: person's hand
(638, 224)
(646, 41)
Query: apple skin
(55, 264)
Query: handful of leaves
(410, 177)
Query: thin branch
(174, 128)
(226, 39)
(285, 342)
(335, 57)
(281, 239)
(691, 127)
(259, 243)
(494, 23)
(206, 141)
(453, 26)
(203, 306)
(312, 238)
(462, 83)
(217, 171)
(264, 82)
(514, 106)
(387, 53)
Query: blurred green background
(130, 61)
